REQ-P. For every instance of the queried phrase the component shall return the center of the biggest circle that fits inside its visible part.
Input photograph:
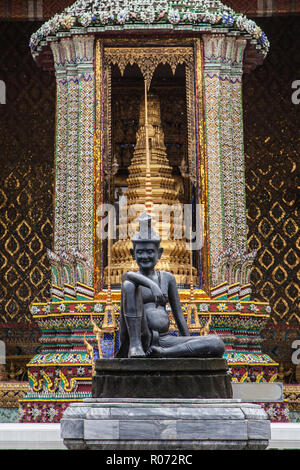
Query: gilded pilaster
(84, 52)
(74, 186)
(71, 237)
(213, 48)
(98, 164)
(238, 145)
(227, 144)
(223, 69)
(200, 148)
(60, 147)
(191, 127)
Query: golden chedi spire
(161, 192)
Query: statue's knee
(130, 304)
(128, 287)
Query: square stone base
(165, 424)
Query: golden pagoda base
(156, 185)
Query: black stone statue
(144, 321)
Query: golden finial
(173, 326)
(148, 183)
(108, 300)
(206, 328)
(109, 310)
(90, 351)
(97, 331)
(192, 308)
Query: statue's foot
(135, 352)
(155, 351)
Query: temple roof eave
(254, 55)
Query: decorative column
(60, 170)
(238, 145)
(229, 261)
(196, 105)
(84, 50)
(213, 49)
(228, 170)
(227, 144)
(71, 156)
(74, 186)
(101, 74)
(240, 267)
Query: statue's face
(146, 254)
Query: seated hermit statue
(144, 321)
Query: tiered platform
(164, 404)
(61, 373)
(165, 424)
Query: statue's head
(146, 244)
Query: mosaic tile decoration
(223, 60)
(213, 139)
(74, 205)
(60, 145)
(238, 147)
(228, 126)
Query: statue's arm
(176, 307)
(141, 280)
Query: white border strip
(42, 436)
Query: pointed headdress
(145, 232)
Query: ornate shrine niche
(127, 94)
(124, 95)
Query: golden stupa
(152, 187)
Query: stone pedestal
(164, 424)
(162, 378)
(164, 404)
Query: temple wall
(44, 9)
(225, 164)
(271, 125)
(27, 136)
(27, 133)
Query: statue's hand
(157, 294)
